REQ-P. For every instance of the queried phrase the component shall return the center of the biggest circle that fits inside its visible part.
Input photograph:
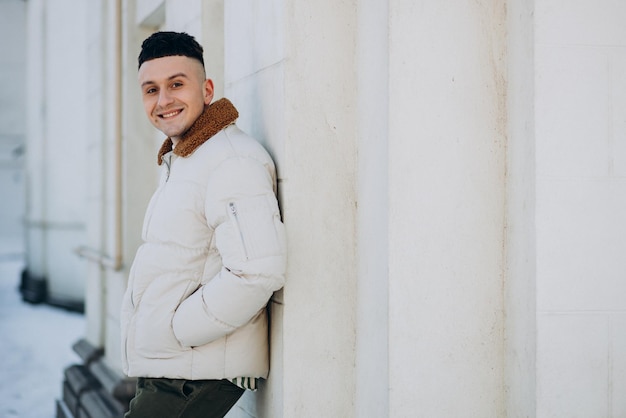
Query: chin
(172, 132)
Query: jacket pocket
(152, 333)
(256, 223)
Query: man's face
(174, 92)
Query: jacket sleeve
(242, 208)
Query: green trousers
(177, 398)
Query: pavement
(35, 347)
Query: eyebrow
(169, 78)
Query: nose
(165, 98)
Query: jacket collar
(215, 117)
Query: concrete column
(372, 320)
(35, 136)
(212, 39)
(95, 100)
(12, 127)
(140, 145)
(319, 208)
(520, 283)
(580, 128)
(254, 48)
(447, 148)
(55, 212)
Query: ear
(208, 91)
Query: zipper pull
(168, 163)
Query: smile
(170, 114)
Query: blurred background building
(12, 126)
(452, 176)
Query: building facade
(451, 175)
(12, 128)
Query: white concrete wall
(12, 126)
(581, 201)
(427, 155)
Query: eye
(150, 90)
(177, 84)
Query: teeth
(169, 115)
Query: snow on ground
(35, 347)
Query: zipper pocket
(255, 219)
(235, 217)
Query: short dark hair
(167, 44)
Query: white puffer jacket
(213, 254)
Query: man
(194, 322)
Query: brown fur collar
(215, 117)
